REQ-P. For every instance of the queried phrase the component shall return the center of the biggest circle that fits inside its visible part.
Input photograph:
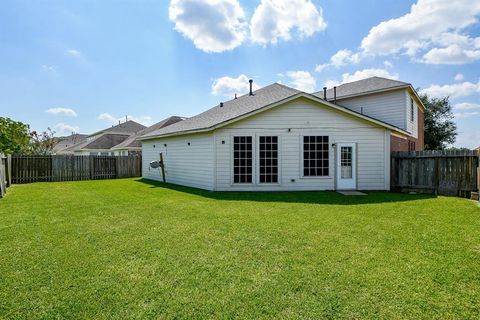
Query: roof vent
(324, 93)
(251, 87)
(334, 94)
(235, 96)
(221, 104)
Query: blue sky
(82, 65)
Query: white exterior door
(346, 166)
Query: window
(346, 167)
(412, 109)
(315, 156)
(242, 159)
(268, 150)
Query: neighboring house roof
(129, 127)
(107, 138)
(247, 105)
(103, 142)
(68, 141)
(365, 87)
(132, 142)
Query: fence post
(9, 170)
(478, 175)
(2, 175)
(437, 174)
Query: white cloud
(459, 77)
(466, 106)
(339, 59)
(212, 25)
(362, 74)
(452, 90)
(452, 54)
(460, 115)
(469, 139)
(74, 53)
(387, 64)
(62, 111)
(108, 117)
(49, 68)
(275, 20)
(426, 20)
(145, 120)
(302, 80)
(228, 86)
(65, 129)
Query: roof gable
(229, 111)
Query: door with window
(346, 166)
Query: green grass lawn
(133, 249)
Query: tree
(440, 129)
(14, 136)
(42, 143)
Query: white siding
(189, 165)
(305, 117)
(412, 125)
(389, 107)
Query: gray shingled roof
(68, 141)
(133, 142)
(128, 127)
(362, 87)
(103, 142)
(231, 109)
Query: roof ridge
(231, 109)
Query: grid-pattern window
(346, 162)
(242, 159)
(315, 156)
(268, 150)
(412, 110)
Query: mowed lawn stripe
(131, 248)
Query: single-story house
(132, 145)
(279, 138)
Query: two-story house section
(394, 102)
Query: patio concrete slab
(351, 193)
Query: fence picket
(30, 168)
(439, 172)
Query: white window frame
(411, 111)
(330, 148)
(257, 162)
(232, 161)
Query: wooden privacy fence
(453, 173)
(5, 173)
(33, 168)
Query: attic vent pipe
(251, 87)
(324, 93)
(334, 94)
(221, 104)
